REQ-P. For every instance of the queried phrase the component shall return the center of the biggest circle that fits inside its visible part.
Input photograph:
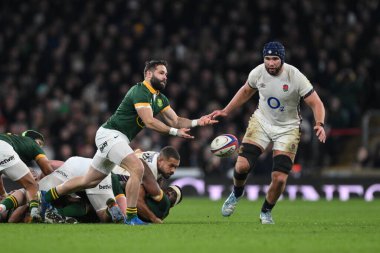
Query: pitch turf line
(196, 225)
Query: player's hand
(206, 120)
(320, 133)
(217, 113)
(184, 133)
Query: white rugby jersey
(73, 167)
(78, 166)
(149, 157)
(279, 95)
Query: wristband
(158, 198)
(194, 123)
(173, 131)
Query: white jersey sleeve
(73, 167)
(254, 76)
(304, 85)
(150, 159)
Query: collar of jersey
(150, 88)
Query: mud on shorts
(261, 132)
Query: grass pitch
(196, 225)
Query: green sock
(51, 195)
(10, 202)
(131, 212)
(33, 204)
(74, 210)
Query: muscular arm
(146, 114)
(149, 182)
(240, 98)
(315, 103)
(44, 165)
(173, 120)
(143, 210)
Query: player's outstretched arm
(146, 115)
(318, 108)
(240, 98)
(171, 117)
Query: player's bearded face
(157, 83)
(273, 65)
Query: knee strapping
(282, 163)
(251, 153)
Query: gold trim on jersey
(119, 196)
(150, 88)
(138, 105)
(167, 107)
(39, 157)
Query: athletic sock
(33, 204)
(238, 191)
(10, 202)
(51, 195)
(131, 212)
(267, 207)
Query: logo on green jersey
(159, 102)
(139, 122)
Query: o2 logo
(274, 103)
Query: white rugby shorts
(11, 164)
(261, 132)
(113, 147)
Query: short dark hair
(151, 65)
(170, 152)
(34, 135)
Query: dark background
(66, 65)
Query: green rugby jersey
(160, 209)
(25, 147)
(126, 119)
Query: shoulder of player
(292, 70)
(139, 87)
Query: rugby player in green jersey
(155, 212)
(138, 109)
(15, 151)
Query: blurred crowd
(66, 65)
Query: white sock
(2, 208)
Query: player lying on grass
(158, 166)
(97, 196)
(155, 212)
(74, 206)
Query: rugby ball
(224, 145)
